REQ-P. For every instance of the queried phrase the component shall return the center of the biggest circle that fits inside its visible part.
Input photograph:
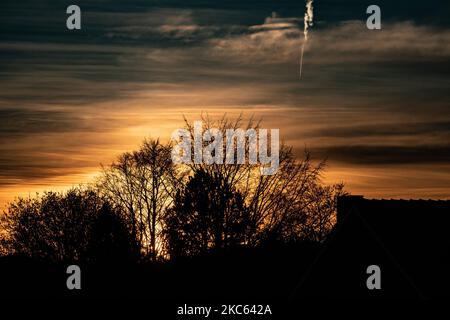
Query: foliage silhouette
(207, 214)
(76, 226)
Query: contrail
(307, 22)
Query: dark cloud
(15, 122)
(384, 130)
(31, 167)
(386, 155)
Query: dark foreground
(407, 240)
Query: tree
(143, 182)
(207, 214)
(110, 237)
(291, 204)
(66, 227)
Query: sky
(375, 103)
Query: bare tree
(118, 184)
(291, 204)
(237, 173)
(281, 202)
(157, 182)
(143, 182)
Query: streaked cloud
(278, 41)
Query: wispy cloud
(345, 42)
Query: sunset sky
(376, 103)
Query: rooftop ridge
(361, 197)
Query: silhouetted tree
(64, 226)
(207, 214)
(320, 213)
(143, 182)
(110, 237)
(293, 204)
(281, 206)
